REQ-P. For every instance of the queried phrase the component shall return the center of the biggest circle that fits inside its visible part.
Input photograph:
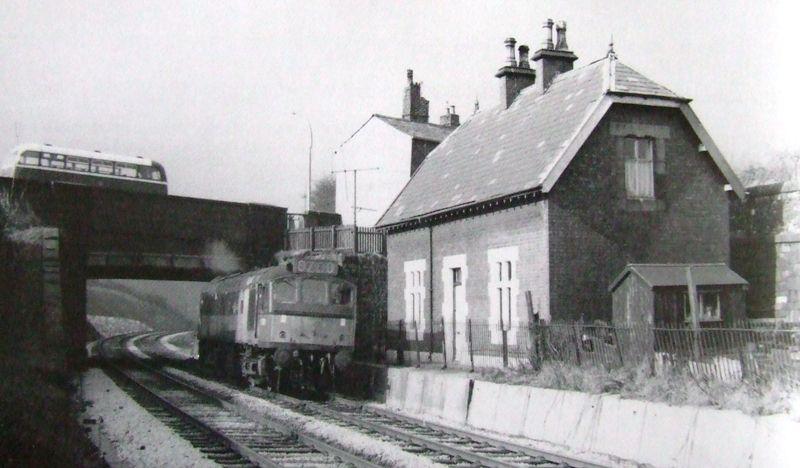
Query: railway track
(441, 444)
(216, 427)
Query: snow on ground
(131, 347)
(179, 352)
(126, 434)
(111, 326)
(376, 450)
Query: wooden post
(531, 327)
(504, 346)
(577, 330)
(619, 345)
(355, 239)
(416, 341)
(400, 341)
(313, 241)
(444, 344)
(333, 238)
(693, 310)
(471, 353)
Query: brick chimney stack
(515, 75)
(450, 119)
(552, 60)
(415, 107)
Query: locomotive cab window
(315, 291)
(341, 293)
(284, 291)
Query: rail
(214, 420)
(357, 239)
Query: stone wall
(39, 418)
(765, 249)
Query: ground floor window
(503, 289)
(708, 306)
(414, 295)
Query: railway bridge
(116, 234)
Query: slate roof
(500, 151)
(421, 130)
(659, 275)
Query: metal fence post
(333, 238)
(576, 328)
(444, 347)
(471, 354)
(355, 239)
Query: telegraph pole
(355, 177)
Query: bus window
(30, 157)
(125, 170)
(315, 291)
(341, 293)
(57, 160)
(284, 291)
(156, 174)
(102, 167)
(78, 164)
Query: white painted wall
(377, 144)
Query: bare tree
(323, 195)
(778, 169)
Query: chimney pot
(547, 41)
(523, 57)
(450, 118)
(561, 36)
(512, 58)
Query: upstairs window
(638, 153)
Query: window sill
(642, 204)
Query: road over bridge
(115, 234)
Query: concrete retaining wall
(645, 432)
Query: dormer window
(638, 154)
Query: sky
(223, 93)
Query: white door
(455, 308)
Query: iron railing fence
(356, 238)
(721, 353)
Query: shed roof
(675, 274)
(501, 152)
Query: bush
(675, 387)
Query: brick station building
(576, 174)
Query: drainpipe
(430, 288)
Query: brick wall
(524, 227)
(595, 231)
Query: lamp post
(310, 149)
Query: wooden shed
(659, 294)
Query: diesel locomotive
(288, 328)
(47, 163)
